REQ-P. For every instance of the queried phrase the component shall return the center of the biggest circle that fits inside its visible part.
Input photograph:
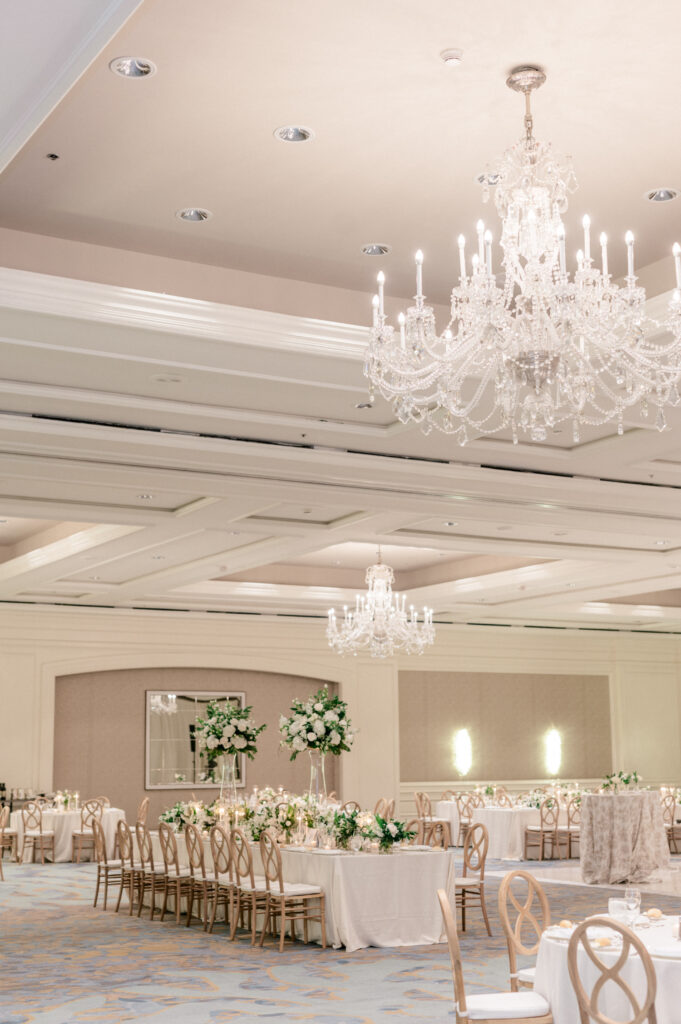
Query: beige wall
(38, 645)
(507, 717)
(99, 731)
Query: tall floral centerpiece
(320, 725)
(226, 731)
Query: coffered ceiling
(158, 451)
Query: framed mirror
(174, 759)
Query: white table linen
(505, 825)
(622, 837)
(64, 824)
(448, 810)
(371, 899)
(552, 979)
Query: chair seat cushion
(538, 828)
(297, 889)
(36, 832)
(224, 879)
(259, 885)
(468, 882)
(112, 864)
(506, 1006)
(87, 832)
(8, 832)
(527, 974)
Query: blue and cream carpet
(65, 963)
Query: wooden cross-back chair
(251, 889)
(530, 919)
(546, 833)
(142, 811)
(491, 1007)
(435, 830)
(107, 870)
(351, 805)
(464, 806)
(221, 852)
(642, 1012)
(469, 887)
(288, 901)
(448, 794)
(84, 836)
(149, 875)
(574, 824)
(203, 883)
(503, 799)
(32, 821)
(8, 836)
(177, 881)
(130, 866)
(384, 808)
(416, 826)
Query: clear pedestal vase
(228, 779)
(317, 789)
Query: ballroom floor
(65, 962)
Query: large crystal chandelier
(544, 346)
(380, 624)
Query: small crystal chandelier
(379, 623)
(163, 703)
(542, 348)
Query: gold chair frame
(537, 922)
(177, 882)
(225, 890)
(32, 820)
(546, 831)
(469, 888)
(108, 870)
(288, 906)
(84, 835)
(588, 1003)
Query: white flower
(212, 742)
(319, 727)
(282, 721)
(241, 725)
(299, 743)
(391, 829)
(330, 716)
(294, 728)
(228, 730)
(334, 739)
(319, 707)
(312, 736)
(239, 742)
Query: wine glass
(632, 898)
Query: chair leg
(190, 905)
(484, 908)
(235, 916)
(99, 878)
(322, 914)
(165, 897)
(463, 910)
(282, 926)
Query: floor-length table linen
(623, 838)
(505, 826)
(64, 824)
(448, 810)
(552, 979)
(371, 899)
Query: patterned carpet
(64, 962)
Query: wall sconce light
(463, 751)
(553, 751)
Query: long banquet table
(622, 837)
(64, 824)
(371, 899)
(552, 979)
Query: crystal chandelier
(544, 346)
(163, 704)
(379, 624)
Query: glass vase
(228, 779)
(317, 788)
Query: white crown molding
(103, 303)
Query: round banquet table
(552, 979)
(448, 810)
(64, 824)
(505, 825)
(371, 899)
(623, 838)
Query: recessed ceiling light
(145, 497)
(450, 523)
(94, 577)
(194, 214)
(132, 67)
(159, 558)
(293, 133)
(52, 156)
(364, 405)
(661, 543)
(661, 195)
(166, 378)
(572, 585)
(375, 249)
(560, 533)
(452, 56)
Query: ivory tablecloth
(448, 810)
(553, 981)
(623, 837)
(64, 824)
(371, 899)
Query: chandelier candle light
(543, 347)
(379, 624)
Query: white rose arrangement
(227, 729)
(319, 723)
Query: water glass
(632, 898)
(617, 909)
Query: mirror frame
(208, 694)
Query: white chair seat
(259, 885)
(574, 828)
(468, 882)
(297, 889)
(112, 864)
(506, 1006)
(9, 832)
(36, 832)
(538, 828)
(224, 879)
(527, 975)
(183, 873)
(83, 832)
